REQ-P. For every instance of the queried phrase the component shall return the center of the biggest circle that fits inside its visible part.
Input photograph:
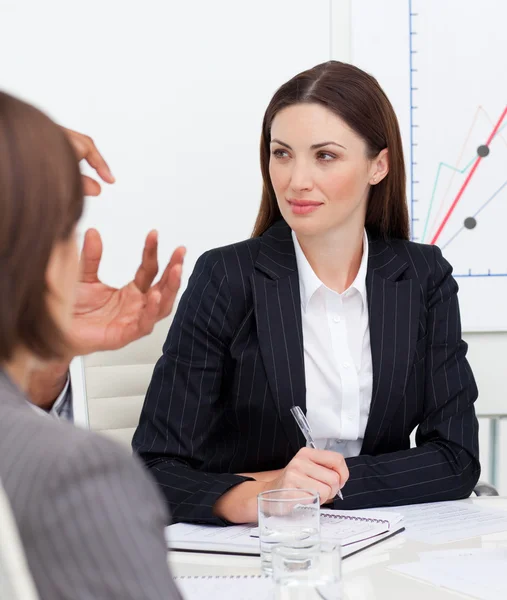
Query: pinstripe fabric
(232, 366)
(90, 521)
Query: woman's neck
(20, 368)
(335, 257)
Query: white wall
(173, 94)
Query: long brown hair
(357, 99)
(41, 200)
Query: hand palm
(106, 318)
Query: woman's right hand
(322, 471)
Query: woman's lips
(303, 207)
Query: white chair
(16, 583)
(109, 387)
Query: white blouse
(337, 355)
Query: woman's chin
(305, 225)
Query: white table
(365, 575)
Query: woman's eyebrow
(313, 146)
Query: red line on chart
(467, 180)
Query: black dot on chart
(470, 223)
(483, 151)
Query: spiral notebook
(349, 528)
(246, 587)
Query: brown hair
(357, 98)
(41, 200)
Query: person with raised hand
(90, 518)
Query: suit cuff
(198, 507)
(62, 408)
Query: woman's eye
(325, 156)
(278, 153)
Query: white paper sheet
(482, 579)
(443, 522)
(223, 588)
(478, 554)
(207, 538)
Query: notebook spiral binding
(235, 577)
(346, 517)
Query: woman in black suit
(329, 307)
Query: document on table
(234, 539)
(476, 572)
(443, 522)
(246, 587)
(351, 526)
(346, 527)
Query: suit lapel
(393, 320)
(277, 305)
(394, 313)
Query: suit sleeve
(184, 397)
(445, 463)
(102, 530)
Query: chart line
(468, 179)
(441, 165)
(475, 214)
(479, 275)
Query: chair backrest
(16, 583)
(116, 383)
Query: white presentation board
(443, 63)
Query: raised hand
(106, 318)
(85, 149)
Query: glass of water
(309, 573)
(288, 517)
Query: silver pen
(303, 424)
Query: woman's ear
(380, 167)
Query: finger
(90, 257)
(90, 186)
(298, 480)
(176, 259)
(95, 159)
(327, 458)
(328, 477)
(85, 149)
(149, 315)
(169, 291)
(148, 270)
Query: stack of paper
(475, 572)
(443, 522)
(223, 588)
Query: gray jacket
(90, 519)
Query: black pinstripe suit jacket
(232, 366)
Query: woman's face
(320, 170)
(62, 275)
